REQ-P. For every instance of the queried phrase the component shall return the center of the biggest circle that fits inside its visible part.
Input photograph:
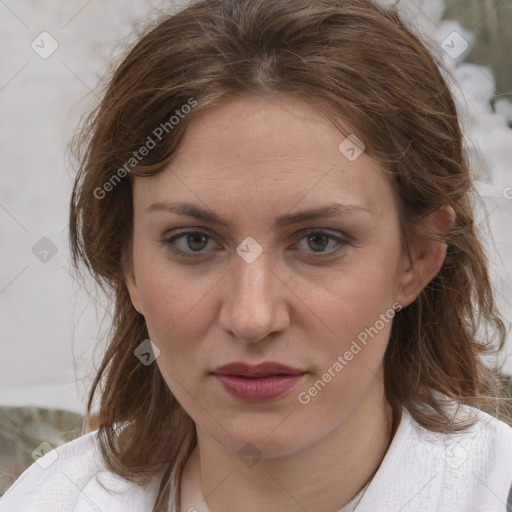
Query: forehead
(255, 150)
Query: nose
(254, 301)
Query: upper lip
(260, 370)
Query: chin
(268, 436)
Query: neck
(323, 477)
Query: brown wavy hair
(358, 62)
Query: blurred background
(52, 54)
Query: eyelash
(169, 243)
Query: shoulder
(487, 443)
(486, 446)
(475, 464)
(56, 477)
(73, 477)
(448, 472)
(487, 432)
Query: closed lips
(257, 371)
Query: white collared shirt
(422, 471)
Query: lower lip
(259, 389)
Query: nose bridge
(250, 307)
(253, 280)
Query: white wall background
(48, 324)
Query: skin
(250, 161)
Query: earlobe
(427, 254)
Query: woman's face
(258, 282)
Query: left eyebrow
(191, 210)
(330, 210)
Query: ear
(131, 284)
(427, 254)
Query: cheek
(176, 324)
(164, 290)
(177, 310)
(361, 324)
(359, 319)
(168, 304)
(353, 298)
(355, 306)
